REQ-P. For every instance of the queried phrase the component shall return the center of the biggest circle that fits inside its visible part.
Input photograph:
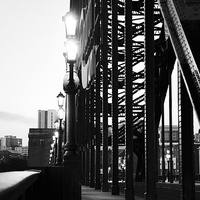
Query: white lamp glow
(61, 113)
(70, 24)
(56, 134)
(168, 155)
(71, 49)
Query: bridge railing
(20, 185)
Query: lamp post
(70, 86)
(59, 159)
(70, 83)
(55, 139)
(168, 165)
(199, 159)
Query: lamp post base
(115, 190)
(72, 177)
(148, 196)
(129, 193)
(72, 166)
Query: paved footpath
(92, 194)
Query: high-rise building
(46, 118)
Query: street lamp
(168, 165)
(70, 86)
(55, 139)
(70, 82)
(199, 159)
(60, 99)
(70, 21)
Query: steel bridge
(128, 52)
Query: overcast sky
(32, 65)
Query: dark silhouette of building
(40, 141)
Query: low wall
(16, 185)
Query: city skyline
(32, 65)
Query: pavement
(93, 194)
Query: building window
(166, 136)
(41, 142)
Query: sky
(32, 65)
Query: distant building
(197, 158)
(46, 118)
(197, 137)
(40, 141)
(175, 134)
(9, 142)
(175, 148)
(22, 150)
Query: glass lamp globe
(56, 134)
(70, 21)
(61, 113)
(60, 99)
(71, 49)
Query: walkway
(92, 194)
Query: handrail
(16, 185)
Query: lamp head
(71, 50)
(70, 21)
(61, 113)
(56, 134)
(60, 99)
(168, 154)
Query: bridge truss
(112, 67)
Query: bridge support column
(104, 61)
(115, 179)
(150, 133)
(188, 183)
(92, 135)
(98, 100)
(87, 148)
(98, 132)
(129, 190)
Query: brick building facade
(40, 141)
